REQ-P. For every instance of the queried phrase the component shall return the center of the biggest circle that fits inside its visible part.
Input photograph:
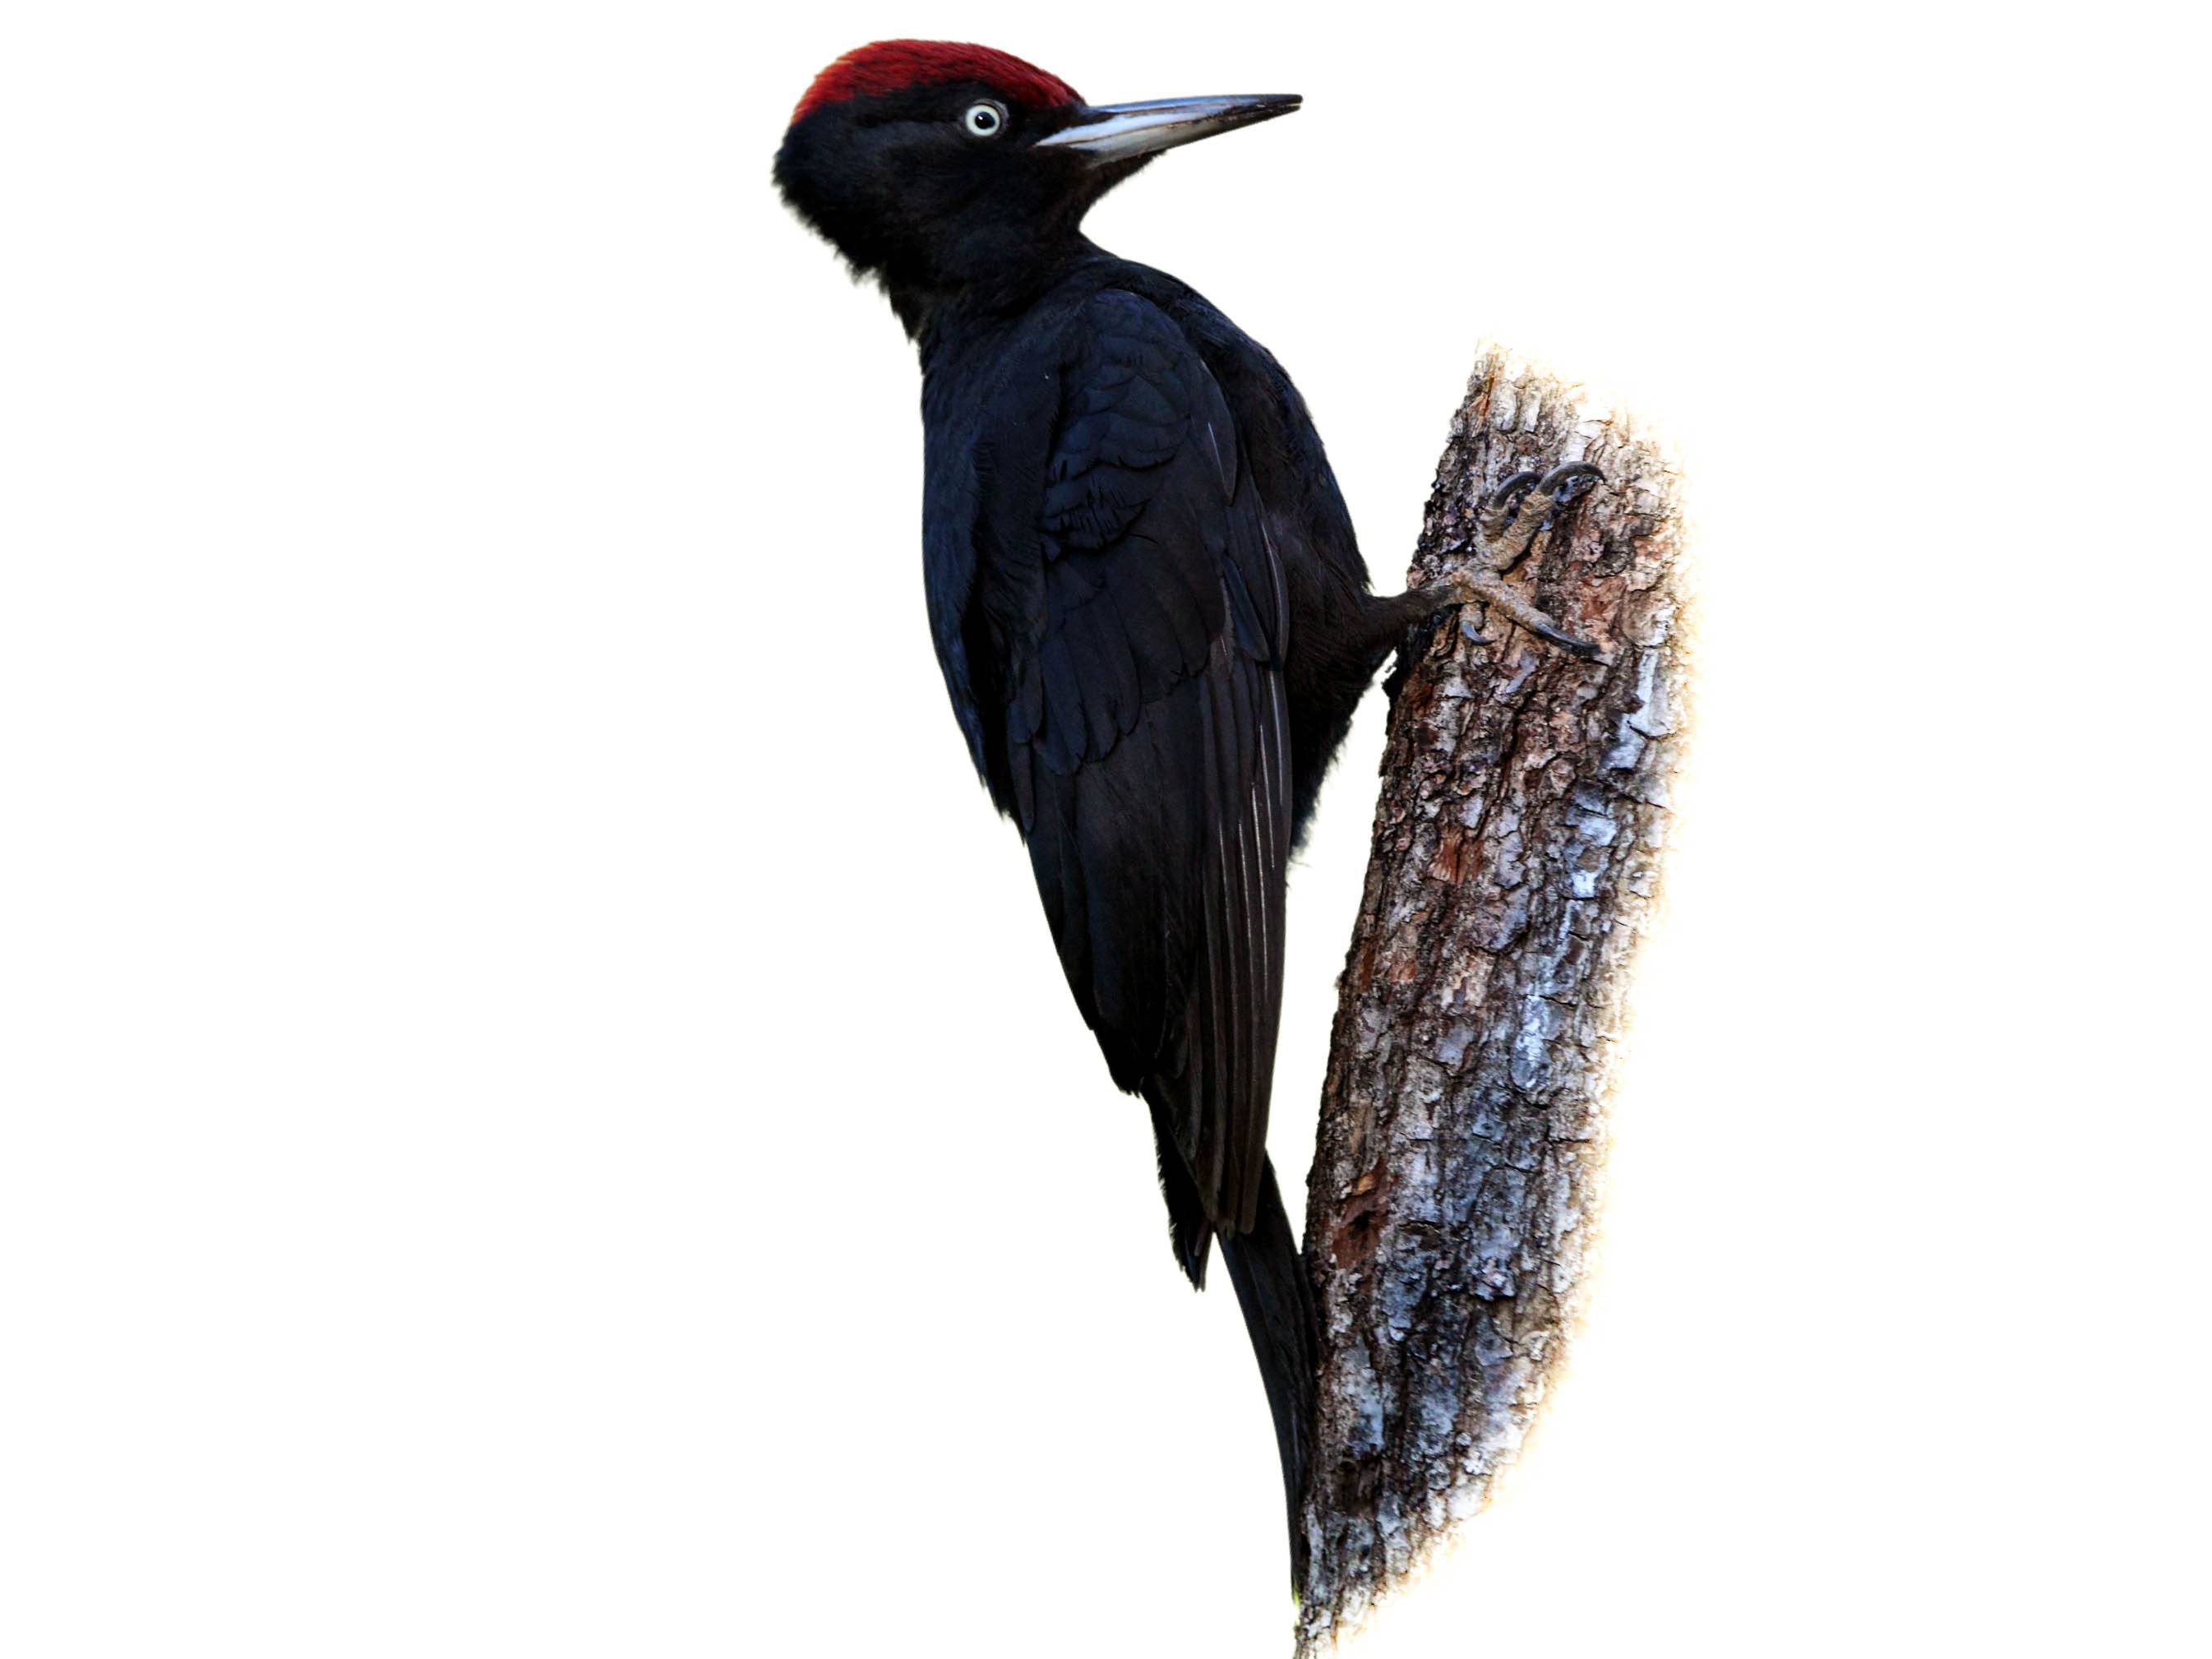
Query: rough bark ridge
(1514, 868)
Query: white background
(539, 1114)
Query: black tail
(1270, 1276)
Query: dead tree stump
(1515, 869)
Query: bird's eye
(985, 120)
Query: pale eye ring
(986, 119)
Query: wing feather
(1137, 631)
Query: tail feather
(1269, 1273)
(1268, 1270)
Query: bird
(1146, 597)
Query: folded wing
(1136, 625)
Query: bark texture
(1514, 871)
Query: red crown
(895, 66)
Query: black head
(940, 167)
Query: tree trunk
(1515, 869)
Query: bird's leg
(1507, 525)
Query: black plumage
(1145, 594)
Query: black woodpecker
(1145, 592)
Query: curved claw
(1566, 643)
(1506, 497)
(1535, 623)
(1486, 591)
(1560, 482)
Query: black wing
(1137, 623)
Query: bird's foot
(1522, 505)
(1486, 588)
(1507, 525)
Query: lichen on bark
(1514, 868)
